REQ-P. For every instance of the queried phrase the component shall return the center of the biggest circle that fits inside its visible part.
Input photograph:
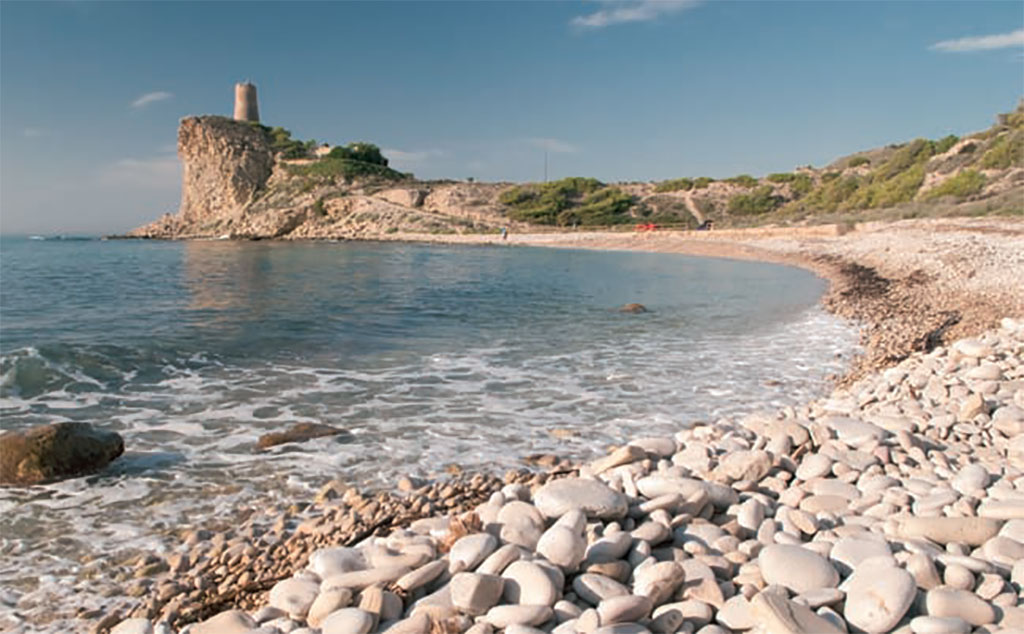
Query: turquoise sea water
(425, 355)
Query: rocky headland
(243, 180)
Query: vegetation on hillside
(567, 202)
(333, 168)
(966, 183)
(359, 151)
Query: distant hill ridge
(245, 180)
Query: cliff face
(226, 163)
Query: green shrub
(743, 180)
(908, 155)
(829, 176)
(329, 168)
(801, 185)
(761, 201)
(857, 161)
(542, 203)
(782, 177)
(318, 208)
(606, 206)
(945, 143)
(674, 185)
(702, 182)
(885, 193)
(966, 183)
(1006, 151)
(281, 142)
(359, 151)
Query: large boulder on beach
(299, 432)
(56, 451)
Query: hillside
(244, 180)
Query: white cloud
(981, 42)
(555, 146)
(35, 133)
(413, 156)
(151, 97)
(159, 172)
(622, 11)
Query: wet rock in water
(634, 309)
(55, 452)
(300, 432)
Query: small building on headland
(322, 150)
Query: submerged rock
(55, 452)
(634, 309)
(300, 432)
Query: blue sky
(91, 93)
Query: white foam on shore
(191, 435)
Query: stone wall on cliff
(226, 164)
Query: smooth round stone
(796, 568)
(294, 596)
(470, 550)
(474, 593)
(527, 583)
(348, 621)
(594, 498)
(957, 576)
(848, 552)
(496, 562)
(622, 628)
(563, 547)
(750, 515)
(133, 626)
(1003, 509)
(659, 446)
(744, 465)
(939, 625)
(501, 616)
(824, 503)
(971, 478)
(658, 581)
(959, 603)
(230, 622)
(973, 531)
(566, 610)
(821, 597)
(736, 614)
(985, 372)
(624, 609)
(696, 612)
(972, 348)
(422, 575)
(814, 465)
(327, 602)
(877, 597)
(594, 588)
(328, 562)
(609, 548)
(1003, 549)
(835, 487)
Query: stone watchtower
(247, 108)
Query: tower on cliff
(247, 108)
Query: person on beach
(504, 233)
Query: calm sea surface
(425, 355)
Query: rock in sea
(55, 452)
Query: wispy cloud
(981, 42)
(622, 11)
(413, 156)
(555, 146)
(151, 97)
(158, 172)
(35, 133)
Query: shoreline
(857, 291)
(902, 303)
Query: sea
(424, 355)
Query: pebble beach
(894, 503)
